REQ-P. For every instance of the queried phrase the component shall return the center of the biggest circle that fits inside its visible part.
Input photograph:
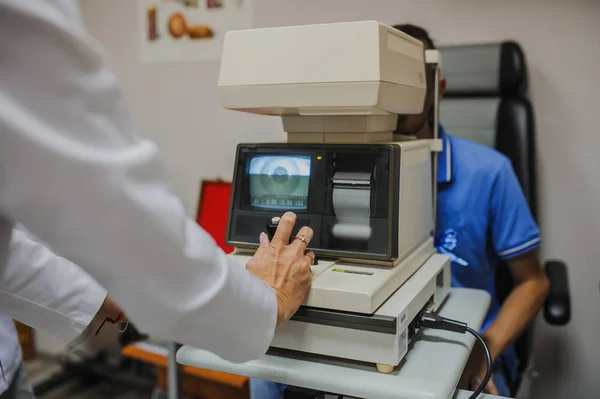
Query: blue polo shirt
(482, 218)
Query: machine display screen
(279, 182)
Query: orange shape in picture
(200, 32)
(177, 25)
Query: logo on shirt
(446, 243)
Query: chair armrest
(557, 309)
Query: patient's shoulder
(474, 158)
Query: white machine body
(381, 337)
(352, 287)
(340, 78)
(415, 218)
(355, 68)
(339, 89)
(368, 340)
(353, 284)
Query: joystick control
(272, 226)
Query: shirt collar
(445, 158)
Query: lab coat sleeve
(42, 289)
(75, 174)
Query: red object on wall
(213, 210)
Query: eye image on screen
(279, 182)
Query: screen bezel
(294, 148)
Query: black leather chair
(487, 102)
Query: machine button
(272, 226)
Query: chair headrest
(493, 69)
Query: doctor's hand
(284, 266)
(109, 309)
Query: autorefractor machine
(367, 193)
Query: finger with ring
(304, 236)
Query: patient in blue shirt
(482, 219)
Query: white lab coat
(11, 355)
(74, 173)
(41, 286)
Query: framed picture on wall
(189, 30)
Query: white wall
(177, 106)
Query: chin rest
(486, 102)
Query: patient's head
(419, 124)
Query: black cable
(437, 322)
(488, 358)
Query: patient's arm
(523, 303)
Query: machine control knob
(272, 226)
